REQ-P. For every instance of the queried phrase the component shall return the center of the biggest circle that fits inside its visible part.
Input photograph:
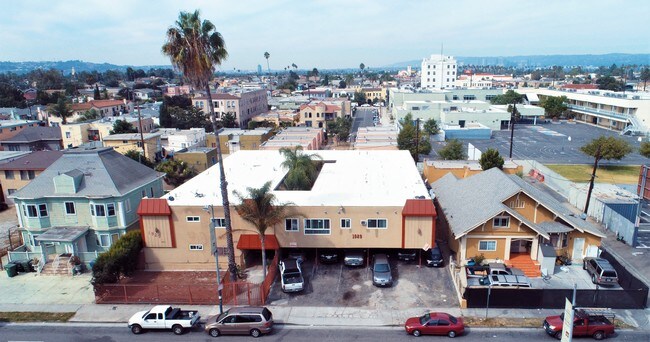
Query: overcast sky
(323, 34)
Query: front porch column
(506, 250)
(463, 250)
(534, 248)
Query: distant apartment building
(233, 139)
(176, 139)
(374, 94)
(9, 128)
(438, 72)
(243, 106)
(34, 139)
(21, 170)
(104, 108)
(306, 137)
(317, 113)
(200, 158)
(77, 134)
(177, 90)
(376, 138)
(126, 142)
(625, 112)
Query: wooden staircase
(57, 266)
(523, 262)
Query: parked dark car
(328, 256)
(434, 257)
(435, 323)
(407, 254)
(354, 257)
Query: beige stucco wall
(419, 232)
(14, 184)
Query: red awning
(252, 241)
(419, 207)
(154, 207)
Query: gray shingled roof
(31, 134)
(469, 202)
(38, 160)
(107, 173)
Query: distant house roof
(39, 160)
(35, 133)
(579, 86)
(219, 96)
(106, 173)
(131, 136)
(96, 104)
(469, 202)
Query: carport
(251, 247)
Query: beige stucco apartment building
(361, 199)
(123, 143)
(244, 105)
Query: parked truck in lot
(492, 269)
(586, 322)
(291, 275)
(164, 317)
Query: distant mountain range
(66, 66)
(508, 61)
(544, 60)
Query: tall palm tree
(261, 209)
(61, 109)
(267, 55)
(362, 66)
(302, 169)
(195, 48)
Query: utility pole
(512, 126)
(593, 177)
(417, 140)
(215, 252)
(144, 150)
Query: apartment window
(317, 226)
(30, 210)
(24, 175)
(291, 225)
(70, 208)
(9, 174)
(469, 97)
(104, 240)
(127, 205)
(42, 210)
(10, 191)
(501, 222)
(151, 192)
(110, 208)
(196, 247)
(97, 210)
(193, 219)
(377, 223)
(346, 223)
(487, 245)
(219, 222)
(68, 135)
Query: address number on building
(357, 236)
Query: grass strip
(621, 174)
(19, 316)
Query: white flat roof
(348, 178)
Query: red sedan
(435, 323)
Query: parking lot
(339, 285)
(555, 143)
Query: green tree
(186, 118)
(431, 126)
(261, 208)
(554, 106)
(645, 77)
(349, 79)
(137, 156)
(607, 148)
(342, 84)
(61, 109)
(176, 171)
(267, 55)
(11, 96)
(509, 97)
(490, 159)
(360, 98)
(340, 127)
(454, 150)
(610, 83)
(88, 115)
(362, 67)
(407, 139)
(229, 120)
(195, 49)
(96, 94)
(122, 126)
(644, 150)
(302, 168)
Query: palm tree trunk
(262, 238)
(232, 266)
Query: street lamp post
(215, 252)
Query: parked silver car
(601, 271)
(354, 257)
(381, 274)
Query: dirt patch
(348, 295)
(503, 322)
(35, 316)
(167, 278)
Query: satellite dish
(171, 198)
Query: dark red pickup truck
(586, 322)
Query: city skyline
(332, 34)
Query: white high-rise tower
(438, 72)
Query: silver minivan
(601, 271)
(381, 273)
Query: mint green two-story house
(82, 204)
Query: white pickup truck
(163, 317)
(291, 275)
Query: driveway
(339, 285)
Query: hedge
(120, 260)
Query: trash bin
(26, 266)
(18, 266)
(11, 270)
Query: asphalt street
(363, 118)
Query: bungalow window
(377, 223)
(559, 240)
(317, 227)
(501, 222)
(70, 208)
(42, 210)
(97, 210)
(219, 222)
(30, 210)
(110, 207)
(487, 245)
(104, 240)
(291, 225)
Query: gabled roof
(154, 207)
(39, 160)
(419, 207)
(106, 172)
(35, 133)
(469, 202)
(96, 104)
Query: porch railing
(23, 255)
(41, 264)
